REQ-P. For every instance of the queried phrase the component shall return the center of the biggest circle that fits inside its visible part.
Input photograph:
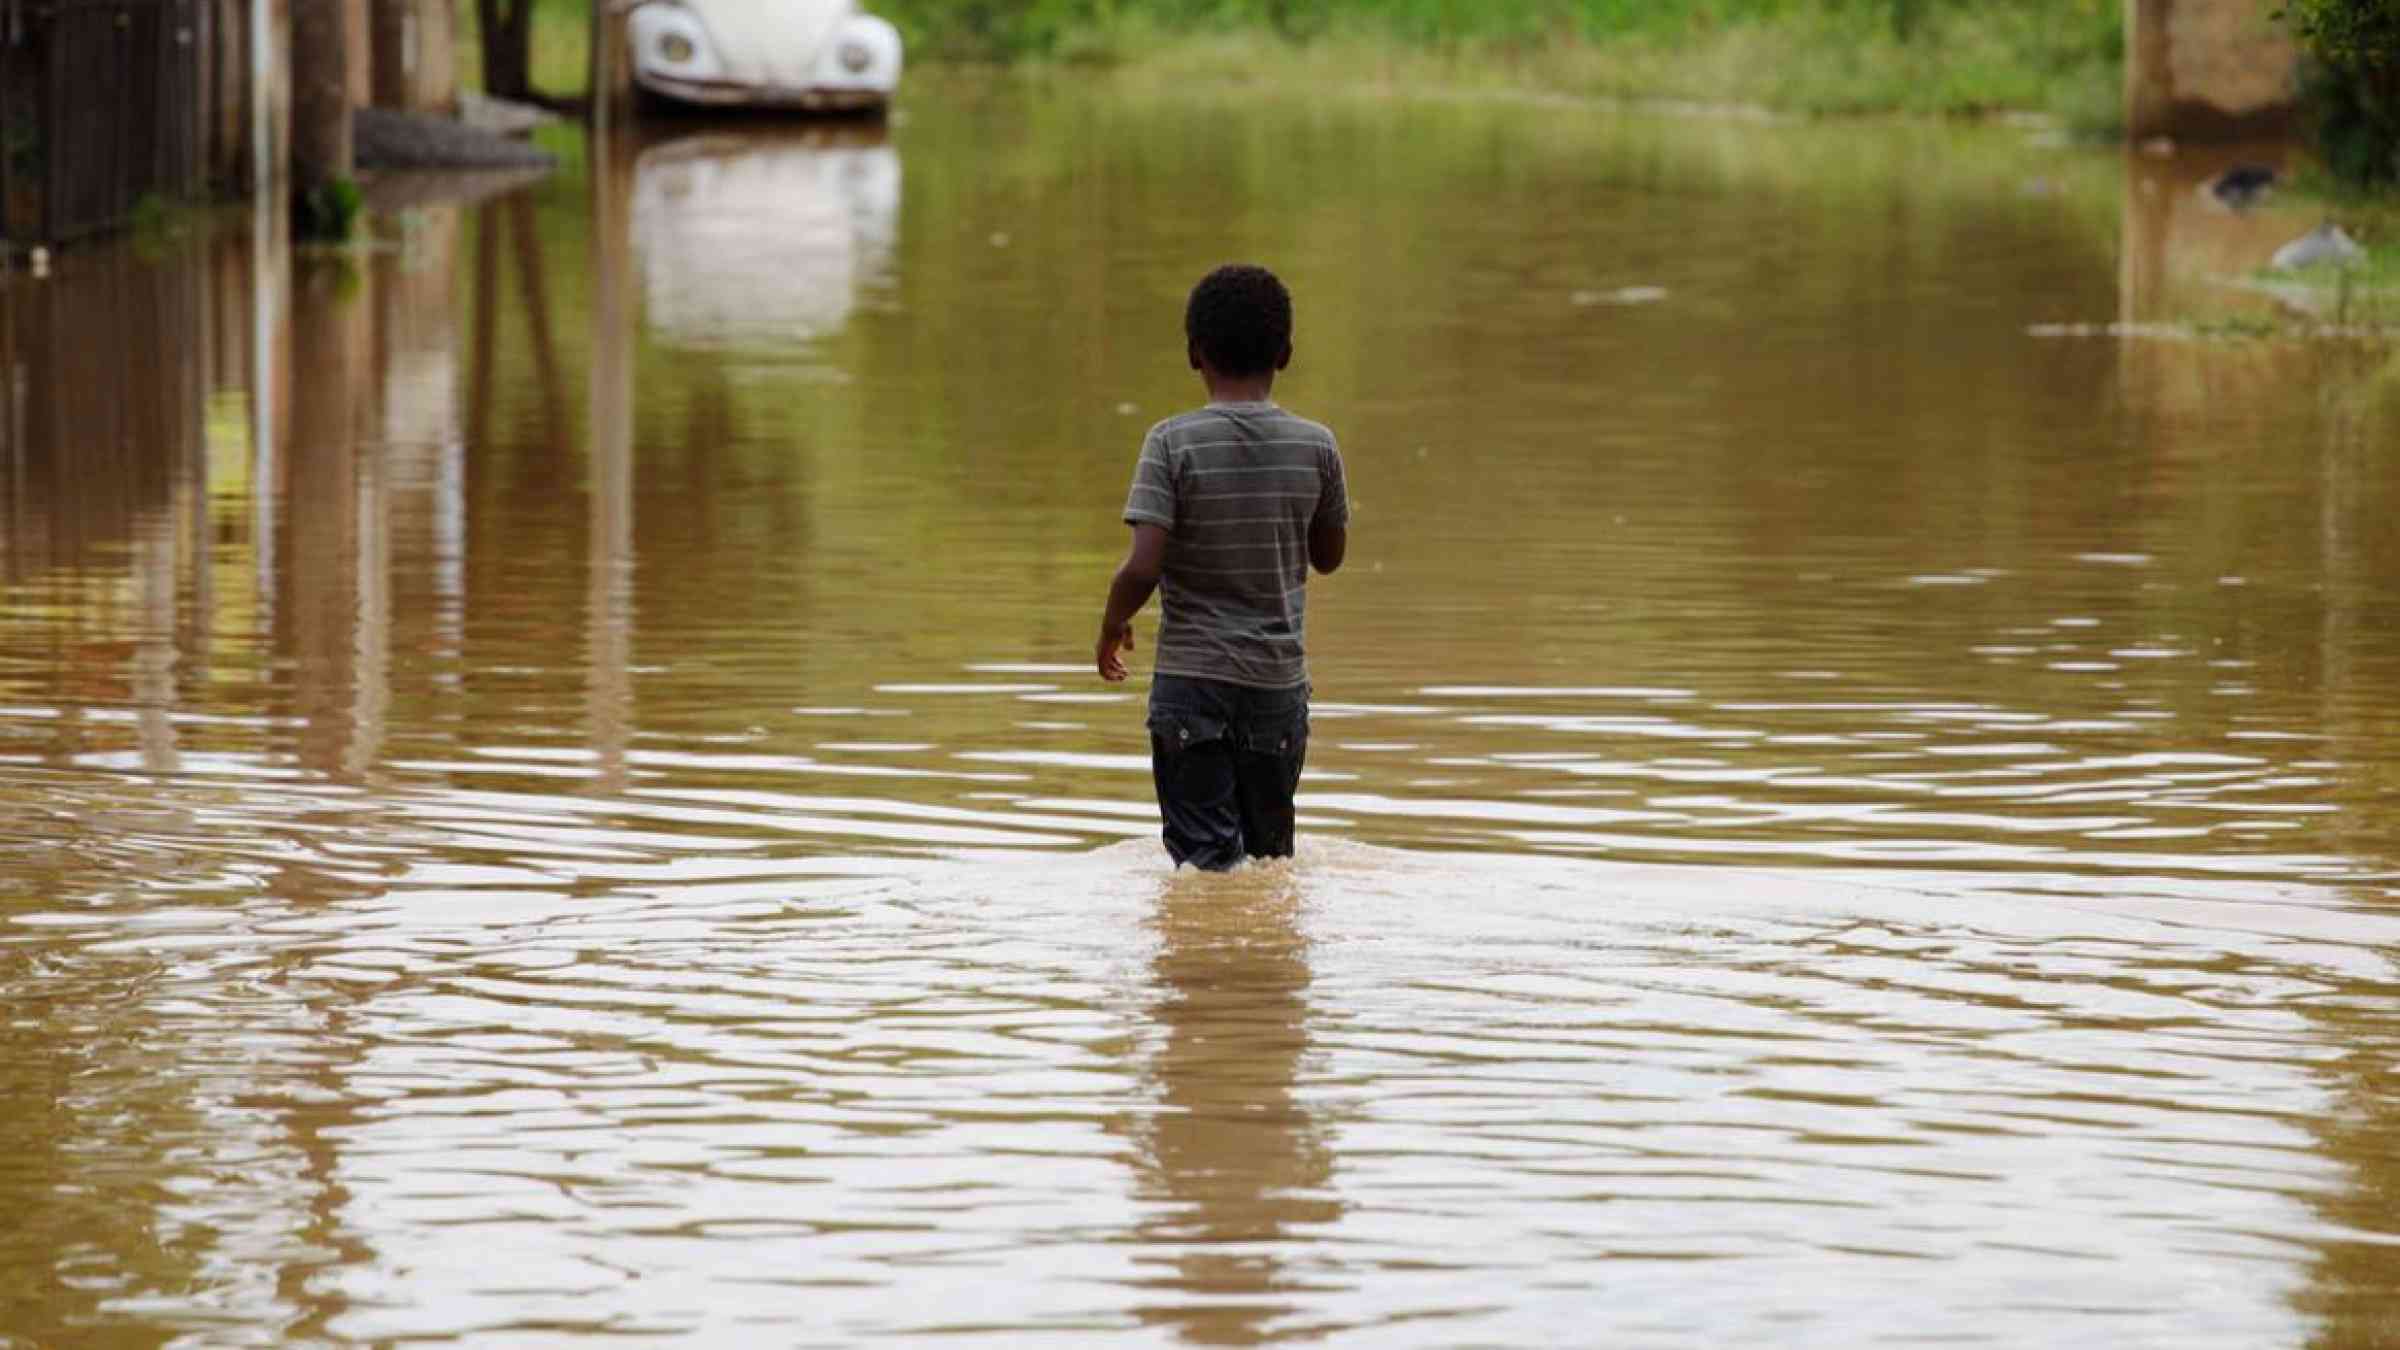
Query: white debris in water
(1623, 295)
(2327, 243)
(1127, 410)
(2110, 330)
(999, 239)
(501, 116)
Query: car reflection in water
(763, 237)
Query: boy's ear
(1285, 360)
(1192, 350)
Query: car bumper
(742, 94)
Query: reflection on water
(1237, 1175)
(762, 238)
(567, 735)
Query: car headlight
(675, 47)
(856, 56)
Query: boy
(1231, 506)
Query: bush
(2351, 86)
(328, 213)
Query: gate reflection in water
(1834, 819)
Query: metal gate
(99, 108)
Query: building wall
(2206, 69)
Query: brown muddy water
(551, 786)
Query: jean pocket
(1182, 728)
(1283, 732)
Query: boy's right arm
(1128, 591)
(1150, 510)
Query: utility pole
(321, 44)
(611, 76)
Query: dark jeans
(1226, 759)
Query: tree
(325, 196)
(2352, 88)
(506, 27)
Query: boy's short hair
(1240, 319)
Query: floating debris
(2220, 330)
(2326, 244)
(2241, 187)
(502, 117)
(1623, 295)
(2168, 331)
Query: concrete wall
(2206, 69)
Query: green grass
(1805, 64)
(2061, 58)
(2367, 293)
(2361, 300)
(2058, 57)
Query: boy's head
(1239, 322)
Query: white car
(808, 55)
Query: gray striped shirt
(1237, 487)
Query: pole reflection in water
(1233, 1168)
(269, 277)
(420, 444)
(609, 609)
(332, 486)
(102, 414)
(106, 375)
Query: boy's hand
(1136, 578)
(1110, 657)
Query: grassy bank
(1813, 56)
(1935, 57)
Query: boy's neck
(1239, 388)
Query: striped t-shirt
(1237, 487)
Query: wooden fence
(102, 104)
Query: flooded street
(551, 781)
